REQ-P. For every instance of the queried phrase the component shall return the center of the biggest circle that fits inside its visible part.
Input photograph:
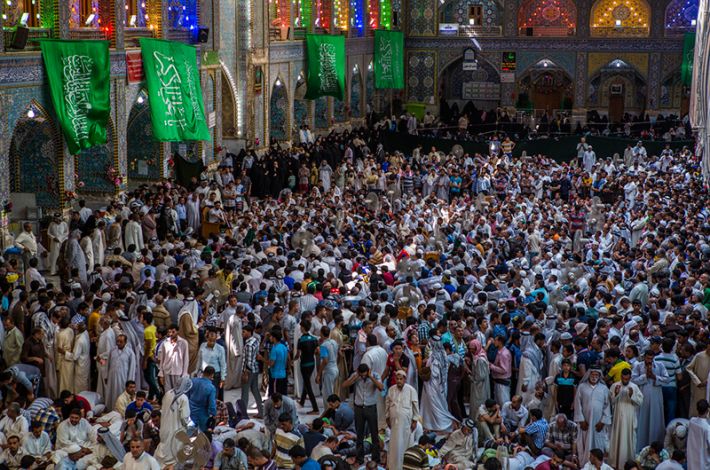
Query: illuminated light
(37, 15)
(9, 2)
(278, 82)
(617, 23)
(31, 113)
(693, 22)
(140, 100)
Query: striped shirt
(284, 442)
(672, 364)
(251, 348)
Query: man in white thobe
(460, 448)
(57, 232)
(82, 359)
(175, 415)
(106, 343)
(626, 398)
(37, 443)
(234, 342)
(650, 376)
(699, 438)
(402, 414)
(592, 413)
(134, 234)
(138, 459)
(122, 368)
(76, 431)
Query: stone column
(218, 107)
(510, 19)
(654, 81)
(583, 12)
(2, 36)
(579, 112)
(61, 22)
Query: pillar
(61, 20)
(654, 81)
(118, 21)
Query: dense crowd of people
(373, 310)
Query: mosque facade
(612, 56)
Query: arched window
(681, 16)
(278, 112)
(547, 18)
(620, 18)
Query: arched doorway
(321, 113)
(355, 93)
(35, 150)
(144, 152)
(229, 105)
(545, 87)
(96, 166)
(300, 106)
(468, 91)
(278, 109)
(618, 89)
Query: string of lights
(386, 14)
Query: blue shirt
(344, 417)
(310, 464)
(278, 354)
(132, 406)
(203, 401)
(537, 431)
(214, 356)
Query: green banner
(79, 77)
(326, 66)
(686, 69)
(389, 59)
(173, 81)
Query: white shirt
(144, 462)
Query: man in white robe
(650, 376)
(75, 430)
(82, 359)
(531, 365)
(460, 448)
(106, 343)
(234, 342)
(37, 443)
(326, 174)
(592, 413)
(98, 243)
(699, 438)
(134, 234)
(65, 363)
(57, 232)
(626, 398)
(122, 368)
(401, 414)
(175, 415)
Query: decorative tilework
(355, 95)
(421, 74)
(564, 60)
(533, 44)
(144, 152)
(321, 113)
(422, 17)
(339, 114)
(580, 86)
(33, 158)
(278, 114)
(456, 11)
(598, 60)
(92, 165)
(654, 80)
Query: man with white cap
(74, 438)
(592, 413)
(401, 414)
(460, 448)
(676, 435)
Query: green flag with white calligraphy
(174, 91)
(79, 77)
(389, 59)
(326, 66)
(686, 68)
